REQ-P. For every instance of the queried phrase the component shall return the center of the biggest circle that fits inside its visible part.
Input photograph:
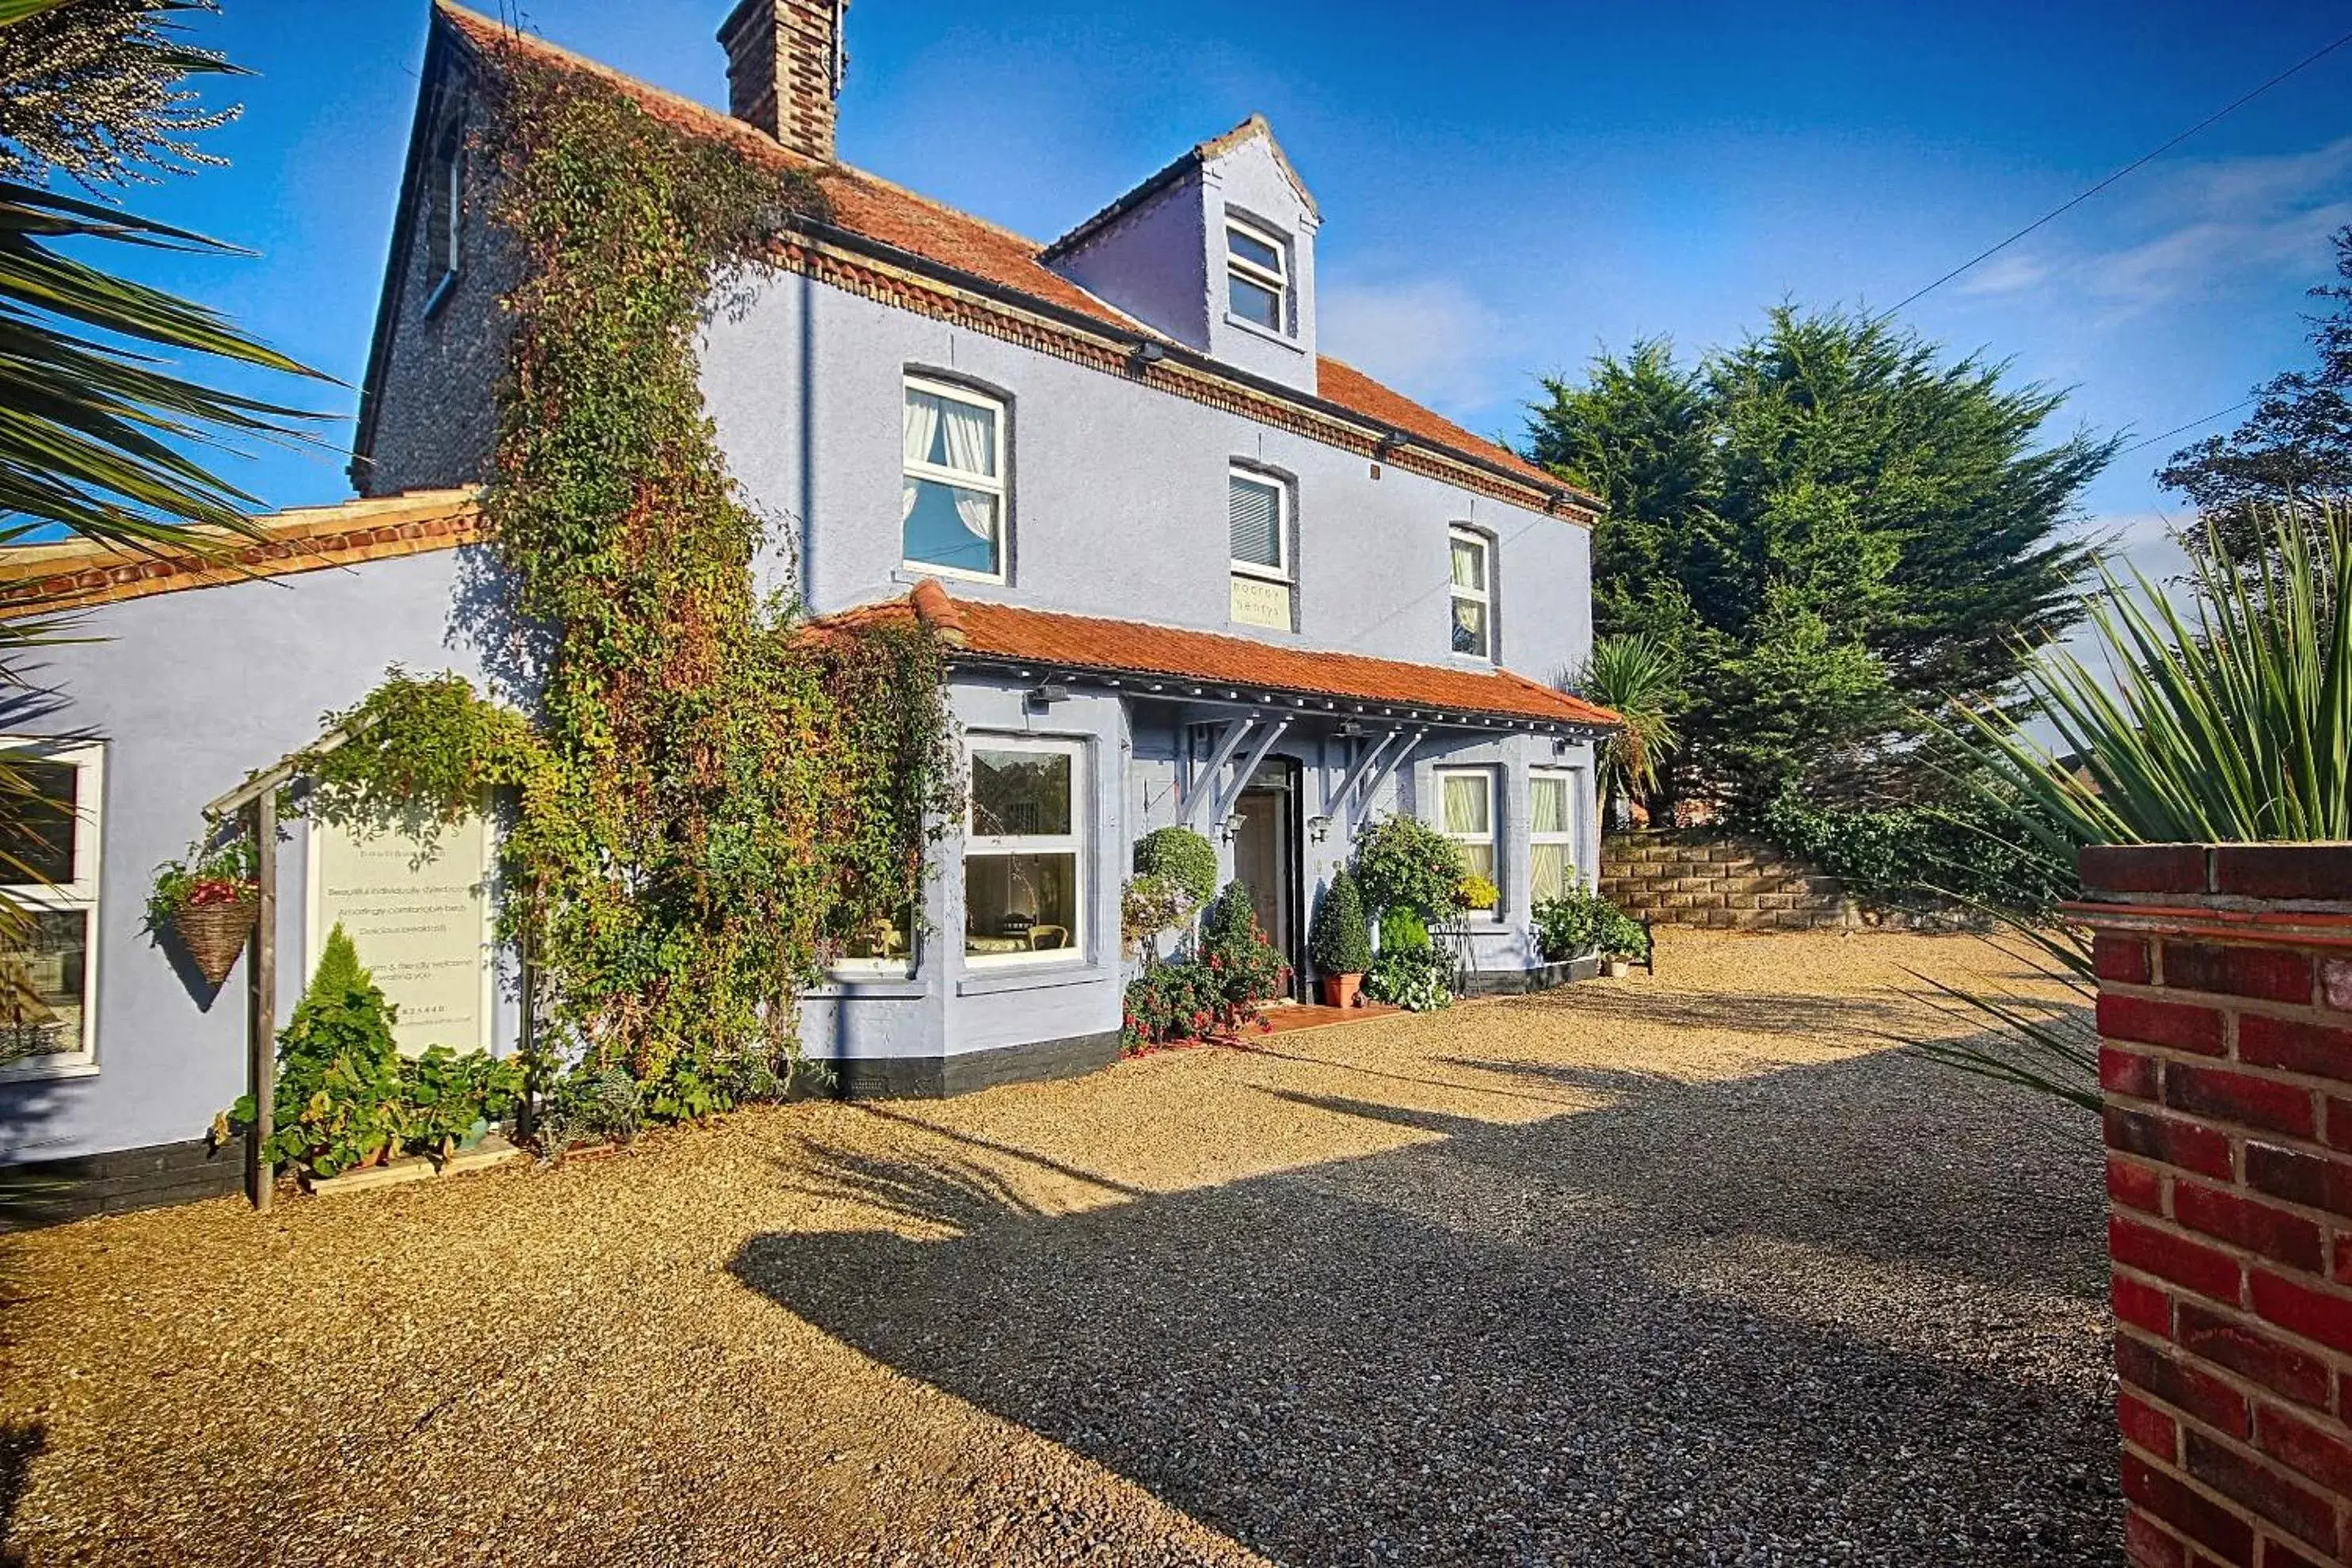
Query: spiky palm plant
(2231, 725)
(1634, 674)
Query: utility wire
(2176, 429)
(2229, 108)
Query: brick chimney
(784, 62)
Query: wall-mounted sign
(420, 922)
(1258, 602)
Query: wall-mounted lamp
(1147, 354)
(1318, 828)
(1232, 827)
(1351, 729)
(1045, 693)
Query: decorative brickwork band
(2225, 1022)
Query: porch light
(1318, 828)
(1047, 693)
(1234, 827)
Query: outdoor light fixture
(1047, 693)
(1234, 827)
(1147, 354)
(1318, 828)
(1351, 729)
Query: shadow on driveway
(1844, 1313)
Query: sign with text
(419, 920)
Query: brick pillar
(2225, 1023)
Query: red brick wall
(2225, 1020)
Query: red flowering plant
(225, 873)
(1215, 992)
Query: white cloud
(1430, 338)
(2195, 228)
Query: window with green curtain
(1467, 814)
(1551, 833)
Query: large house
(1191, 571)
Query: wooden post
(261, 979)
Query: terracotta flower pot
(215, 934)
(1340, 990)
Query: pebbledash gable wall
(2225, 1017)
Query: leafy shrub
(1578, 923)
(1418, 979)
(1403, 931)
(220, 874)
(1217, 992)
(1182, 857)
(346, 1098)
(446, 1098)
(1338, 940)
(1918, 855)
(337, 1102)
(1404, 863)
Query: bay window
(1551, 833)
(951, 503)
(1465, 798)
(1024, 867)
(48, 869)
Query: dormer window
(1257, 280)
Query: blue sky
(1505, 187)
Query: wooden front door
(1265, 861)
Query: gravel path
(1683, 1270)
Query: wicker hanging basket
(215, 934)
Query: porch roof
(1178, 664)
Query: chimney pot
(784, 65)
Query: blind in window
(1256, 517)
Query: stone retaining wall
(1732, 884)
(2225, 1018)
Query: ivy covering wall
(708, 793)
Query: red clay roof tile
(865, 204)
(1047, 638)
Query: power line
(2223, 112)
(2176, 429)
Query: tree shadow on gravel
(1779, 1012)
(1843, 1314)
(20, 1444)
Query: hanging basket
(215, 934)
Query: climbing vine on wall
(714, 792)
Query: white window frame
(1276, 278)
(978, 846)
(1281, 573)
(854, 969)
(1483, 597)
(1567, 837)
(80, 894)
(446, 183)
(940, 474)
(1492, 838)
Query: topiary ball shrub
(1339, 940)
(1182, 857)
(1402, 863)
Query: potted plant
(1339, 941)
(208, 899)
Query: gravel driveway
(1683, 1270)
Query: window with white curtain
(1258, 515)
(1465, 800)
(48, 863)
(951, 508)
(1257, 283)
(1474, 593)
(1023, 858)
(1551, 833)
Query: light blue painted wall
(1118, 490)
(190, 692)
